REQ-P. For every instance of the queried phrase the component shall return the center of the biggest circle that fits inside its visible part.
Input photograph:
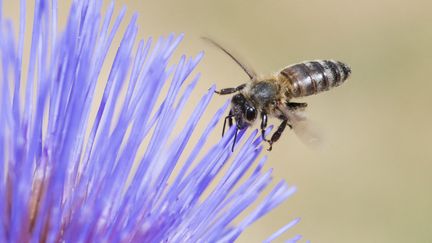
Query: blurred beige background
(372, 182)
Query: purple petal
(77, 176)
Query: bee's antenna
(245, 68)
(235, 139)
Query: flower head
(68, 177)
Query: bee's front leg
(263, 126)
(230, 122)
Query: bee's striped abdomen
(311, 77)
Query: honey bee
(271, 95)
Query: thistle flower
(69, 178)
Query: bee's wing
(249, 71)
(305, 129)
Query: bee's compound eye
(250, 113)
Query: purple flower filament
(65, 176)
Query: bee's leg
(276, 135)
(230, 90)
(230, 122)
(235, 139)
(294, 106)
(290, 126)
(263, 126)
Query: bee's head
(243, 111)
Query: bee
(270, 96)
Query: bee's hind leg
(294, 106)
(276, 135)
(230, 90)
